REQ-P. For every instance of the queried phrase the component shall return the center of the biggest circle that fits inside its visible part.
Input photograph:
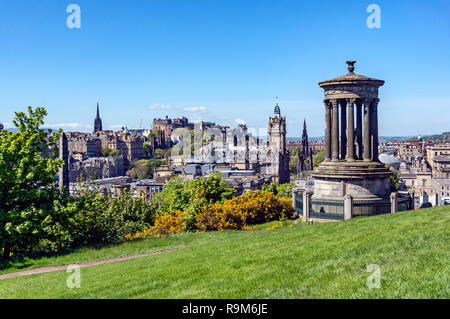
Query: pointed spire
(98, 120)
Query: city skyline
(156, 59)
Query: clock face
(275, 126)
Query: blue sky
(222, 61)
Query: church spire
(97, 121)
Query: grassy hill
(302, 261)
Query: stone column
(327, 130)
(359, 128)
(306, 204)
(350, 132)
(335, 131)
(412, 199)
(367, 143)
(348, 207)
(374, 130)
(343, 149)
(394, 202)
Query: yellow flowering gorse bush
(237, 213)
(240, 212)
(171, 222)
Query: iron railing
(327, 209)
(371, 207)
(299, 203)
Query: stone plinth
(359, 179)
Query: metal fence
(371, 207)
(327, 209)
(299, 203)
(404, 203)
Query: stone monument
(351, 167)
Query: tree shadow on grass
(24, 260)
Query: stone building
(408, 150)
(84, 143)
(167, 125)
(438, 157)
(131, 146)
(96, 168)
(147, 189)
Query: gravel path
(41, 270)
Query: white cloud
(239, 121)
(196, 109)
(159, 106)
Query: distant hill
(444, 137)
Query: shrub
(243, 211)
(97, 220)
(192, 196)
(171, 222)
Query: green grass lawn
(326, 260)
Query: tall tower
(305, 153)
(277, 151)
(97, 121)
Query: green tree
(147, 149)
(272, 187)
(318, 158)
(143, 169)
(106, 151)
(115, 153)
(394, 180)
(28, 166)
(293, 161)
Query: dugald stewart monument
(351, 170)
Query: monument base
(359, 179)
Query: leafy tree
(272, 187)
(282, 190)
(285, 190)
(293, 162)
(147, 149)
(27, 174)
(318, 158)
(394, 180)
(106, 151)
(143, 169)
(115, 153)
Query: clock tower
(277, 154)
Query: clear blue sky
(222, 61)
